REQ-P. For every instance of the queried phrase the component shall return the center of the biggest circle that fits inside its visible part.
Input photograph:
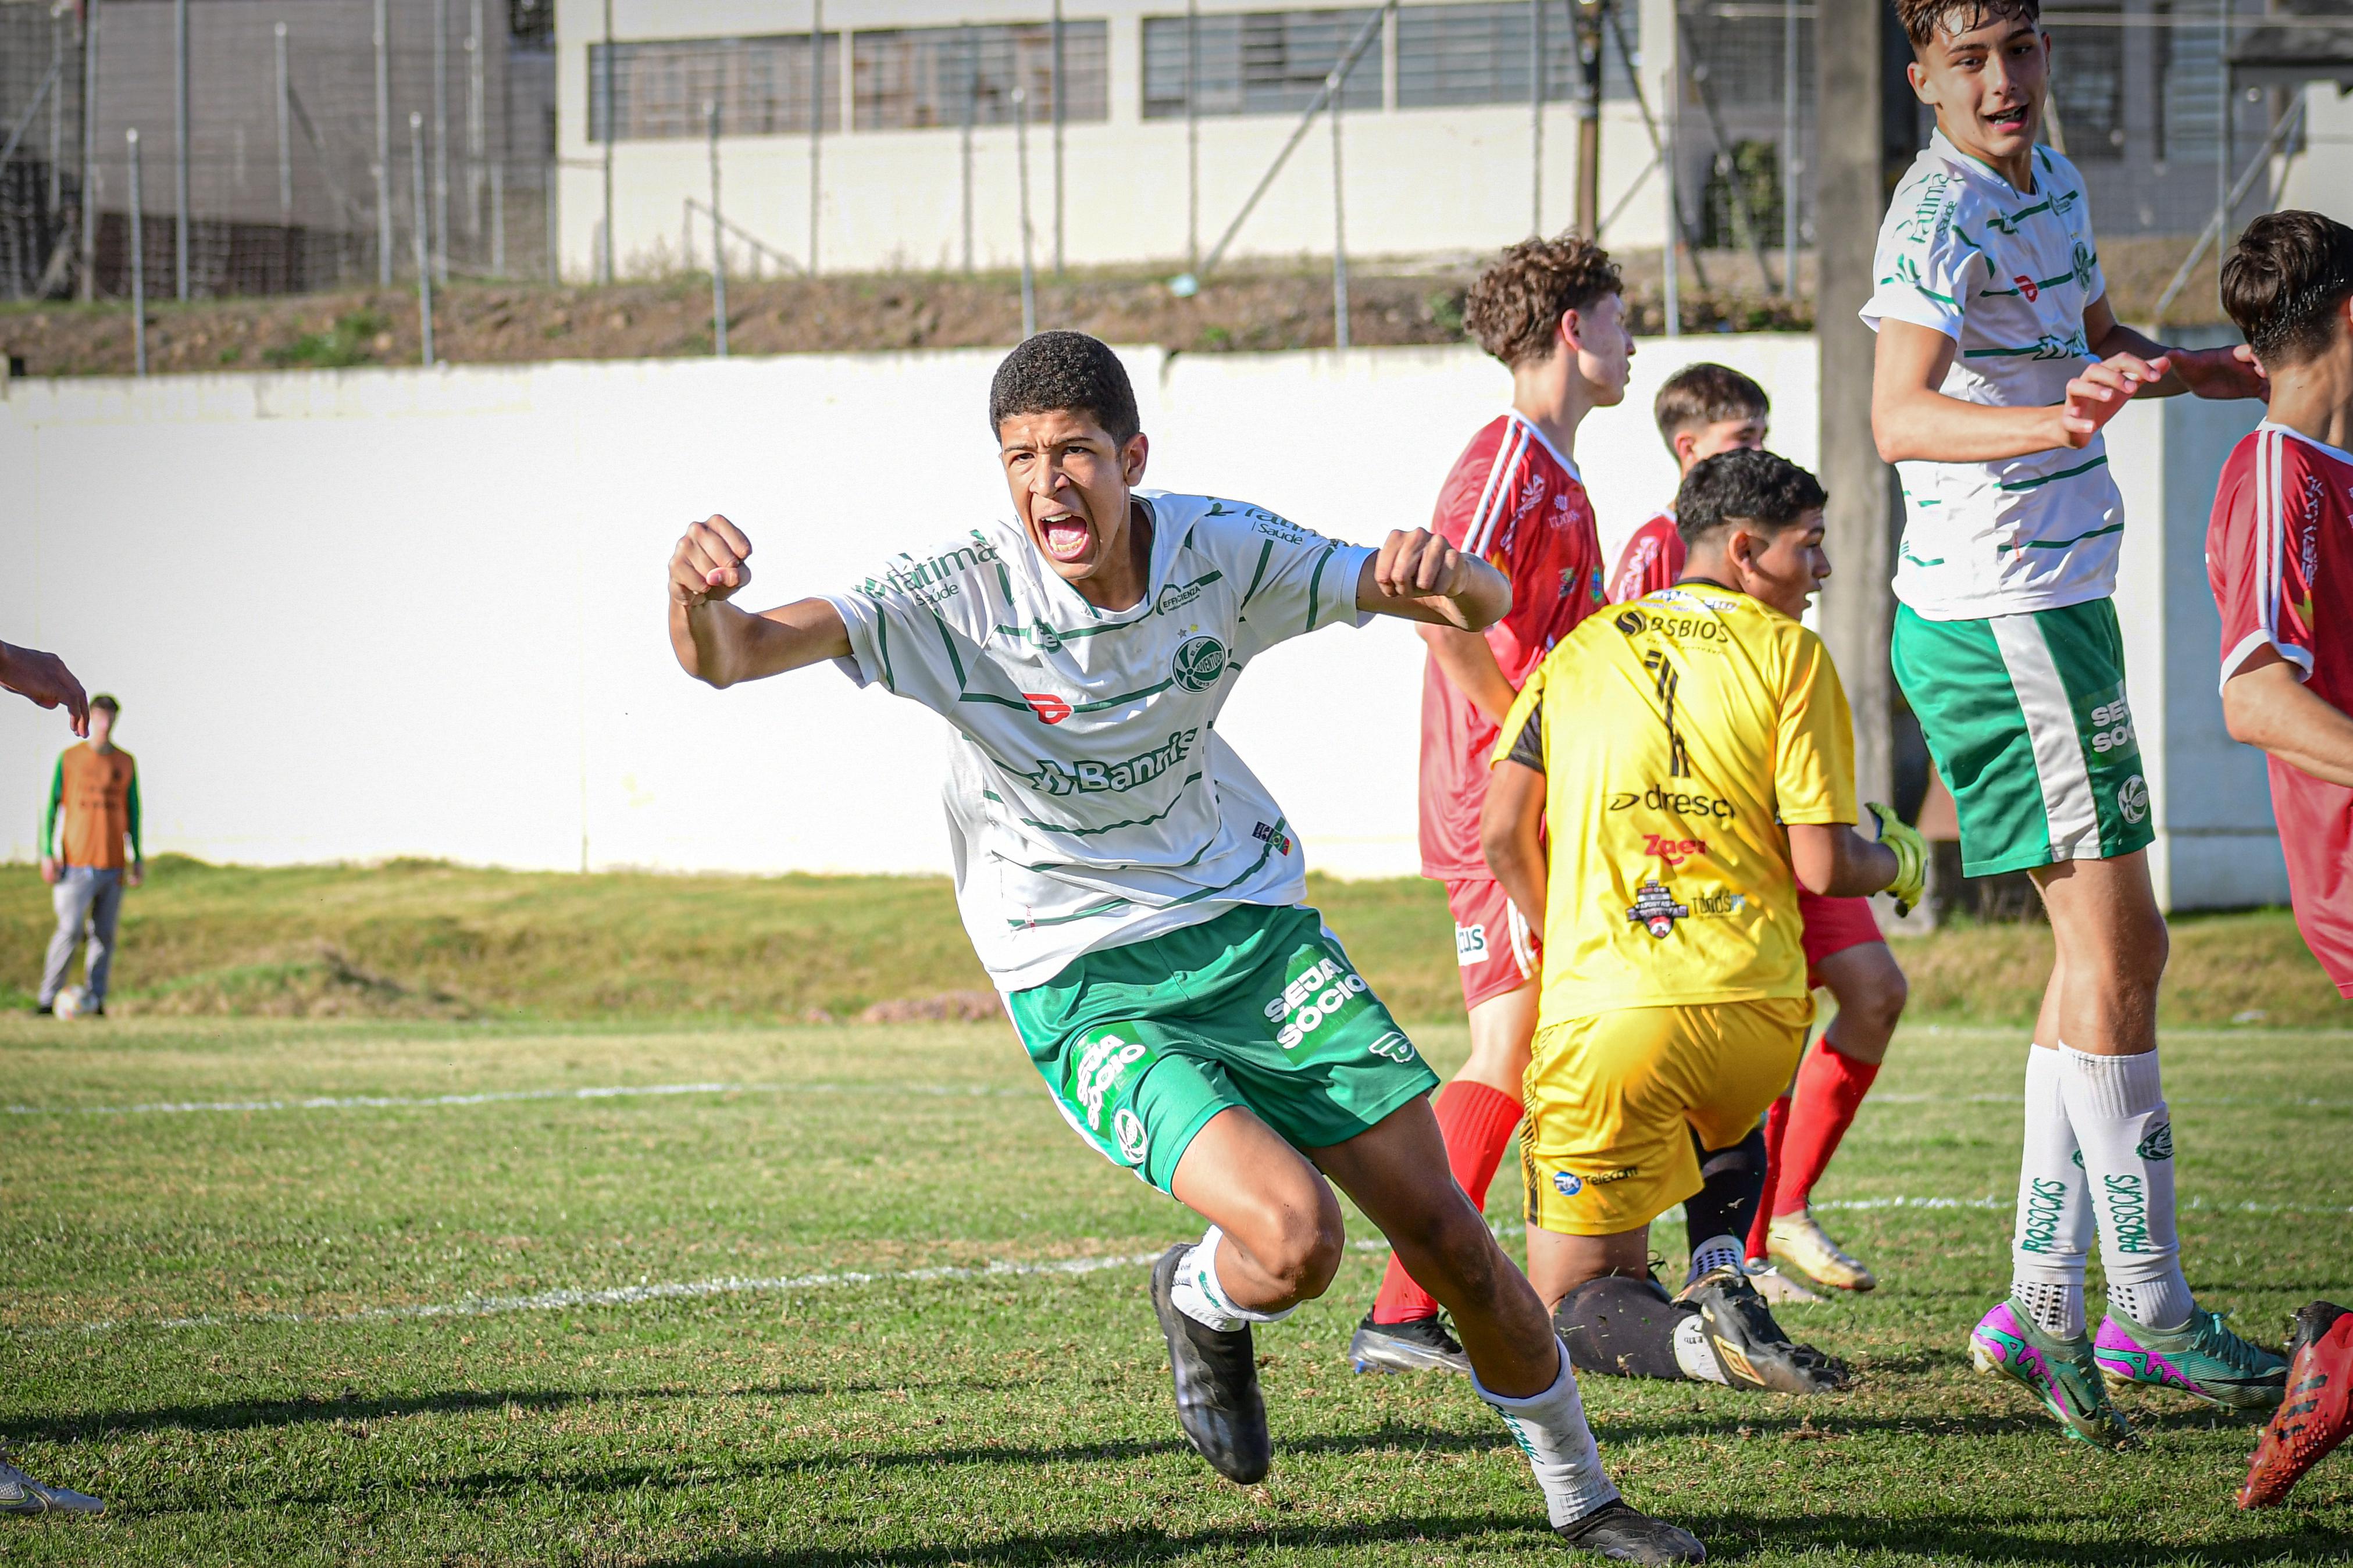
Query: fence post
(383, 146)
(180, 150)
(816, 118)
(1789, 149)
(549, 220)
(1057, 84)
(90, 150)
(424, 247)
(964, 144)
(1192, 138)
(285, 138)
(1339, 228)
(474, 122)
(1021, 152)
(498, 220)
(1536, 84)
(441, 140)
(1669, 128)
(718, 239)
(57, 110)
(138, 263)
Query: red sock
(1777, 1122)
(1477, 1123)
(1829, 1086)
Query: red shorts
(1831, 925)
(1494, 947)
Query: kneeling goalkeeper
(1694, 754)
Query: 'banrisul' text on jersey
(1090, 802)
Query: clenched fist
(1417, 565)
(711, 562)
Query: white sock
(1692, 1354)
(2052, 1239)
(1201, 1296)
(2117, 1107)
(1716, 1252)
(1551, 1430)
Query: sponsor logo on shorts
(1674, 851)
(1135, 1142)
(1312, 999)
(1100, 1066)
(1568, 1182)
(1268, 832)
(1199, 663)
(2158, 1144)
(1058, 778)
(1050, 708)
(1395, 1047)
(1655, 909)
(1682, 803)
(1620, 1174)
(2112, 727)
(1471, 945)
(2132, 798)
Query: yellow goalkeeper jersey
(1677, 734)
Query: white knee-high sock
(1201, 1296)
(1550, 1429)
(2052, 1239)
(2116, 1105)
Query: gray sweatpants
(87, 899)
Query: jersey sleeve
(1520, 739)
(1648, 563)
(1813, 762)
(1296, 581)
(49, 803)
(1926, 265)
(2253, 563)
(897, 634)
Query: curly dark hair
(1515, 307)
(1744, 486)
(1923, 19)
(1053, 371)
(2284, 281)
(1700, 394)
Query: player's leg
(69, 897)
(2105, 922)
(1518, 1365)
(1496, 960)
(1869, 989)
(105, 908)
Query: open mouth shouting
(1067, 536)
(2011, 121)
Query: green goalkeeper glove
(1911, 857)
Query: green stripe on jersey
(2017, 485)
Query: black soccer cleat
(1216, 1373)
(1416, 1344)
(1623, 1534)
(1750, 1347)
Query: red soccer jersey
(1519, 505)
(1651, 560)
(2279, 556)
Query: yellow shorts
(1613, 1100)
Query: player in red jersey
(1554, 311)
(2279, 555)
(1702, 410)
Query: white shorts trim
(2069, 806)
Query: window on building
(2190, 76)
(1479, 53)
(916, 77)
(761, 85)
(2087, 77)
(1258, 62)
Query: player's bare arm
(44, 679)
(2219, 373)
(1511, 832)
(1913, 420)
(2264, 704)
(1418, 576)
(1465, 659)
(1833, 859)
(720, 645)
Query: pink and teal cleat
(2200, 1358)
(2062, 1374)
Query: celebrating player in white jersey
(1999, 361)
(1136, 894)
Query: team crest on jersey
(1655, 909)
(1199, 663)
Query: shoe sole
(1994, 1366)
(2117, 1385)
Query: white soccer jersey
(2006, 275)
(1090, 801)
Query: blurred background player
(1692, 754)
(43, 679)
(1702, 410)
(1998, 360)
(91, 813)
(1551, 310)
(2279, 555)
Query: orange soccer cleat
(2317, 1411)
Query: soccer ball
(68, 1004)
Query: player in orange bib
(1693, 754)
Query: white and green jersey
(2006, 275)
(1090, 801)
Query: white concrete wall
(363, 614)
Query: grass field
(427, 1323)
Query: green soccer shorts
(1142, 1043)
(2027, 720)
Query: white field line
(494, 1096)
